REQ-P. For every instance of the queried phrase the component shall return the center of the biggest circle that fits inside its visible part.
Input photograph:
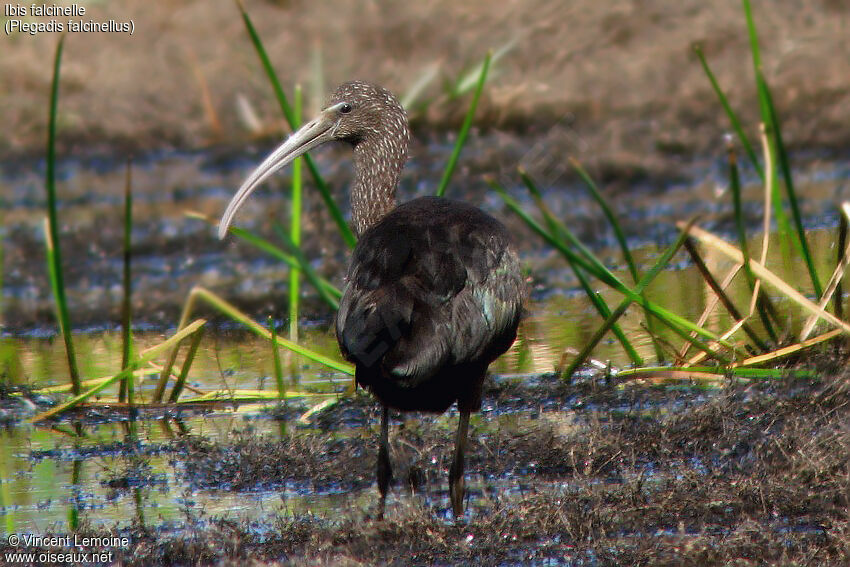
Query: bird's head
(358, 113)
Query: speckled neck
(378, 131)
(378, 164)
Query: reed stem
(295, 229)
(126, 390)
(54, 252)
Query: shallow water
(110, 476)
(52, 477)
(47, 476)
(558, 317)
(173, 252)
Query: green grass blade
(721, 294)
(327, 291)
(276, 252)
(305, 266)
(600, 305)
(54, 254)
(659, 265)
(594, 266)
(733, 118)
(140, 502)
(735, 187)
(187, 364)
(751, 30)
(295, 230)
(782, 224)
(754, 373)
(605, 312)
(126, 390)
(322, 285)
(609, 215)
(785, 167)
(737, 204)
(410, 98)
(604, 275)
(278, 368)
(469, 80)
(6, 500)
(74, 505)
(624, 247)
(464, 130)
(229, 310)
(289, 114)
(568, 372)
(3, 373)
(330, 203)
(838, 295)
(231, 395)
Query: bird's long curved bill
(305, 139)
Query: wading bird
(434, 291)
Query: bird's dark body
(434, 290)
(433, 297)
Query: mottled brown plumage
(434, 291)
(377, 129)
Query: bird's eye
(345, 108)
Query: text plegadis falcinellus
(434, 291)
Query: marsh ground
(752, 474)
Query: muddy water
(51, 478)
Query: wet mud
(749, 474)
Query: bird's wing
(422, 297)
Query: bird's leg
(385, 471)
(456, 472)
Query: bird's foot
(456, 489)
(385, 475)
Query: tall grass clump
(744, 344)
(777, 154)
(278, 367)
(131, 364)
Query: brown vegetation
(621, 77)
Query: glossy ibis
(434, 291)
